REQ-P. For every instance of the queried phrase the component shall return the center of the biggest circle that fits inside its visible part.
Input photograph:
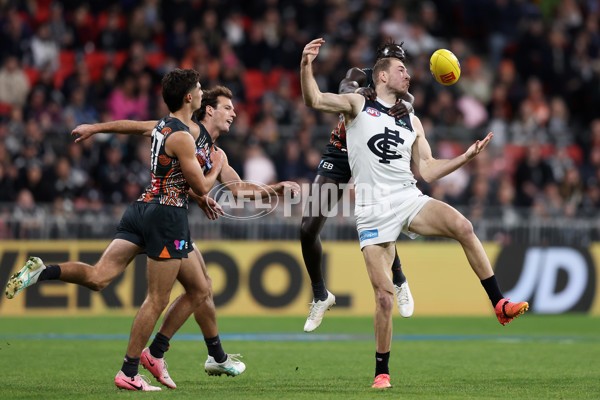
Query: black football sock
(319, 291)
(492, 289)
(381, 363)
(215, 350)
(159, 345)
(397, 275)
(130, 366)
(51, 272)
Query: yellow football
(444, 67)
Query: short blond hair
(381, 65)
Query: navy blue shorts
(334, 165)
(162, 230)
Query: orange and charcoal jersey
(204, 148)
(168, 185)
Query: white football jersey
(379, 152)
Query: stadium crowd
(530, 74)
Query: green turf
(534, 357)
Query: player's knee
(161, 302)
(308, 230)
(200, 296)
(96, 286)
(463, 228)
(385, 300)
(157, 301)
(95, 281)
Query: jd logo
(380, 145)
(552, 279)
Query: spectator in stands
(258, 167)
(81, 111)
(60, 31)
(113, 37)
(44, 50)
(138, 29)
(558, 52)
(66, 185)
(27, 216)
(590, 203)
(176, 39)
(126, 103)
(83, 26)
(7, 185)
(571, 187)
(532, 176)
(111, 175)
(14, 85)
(15, 35)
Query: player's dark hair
(176, 84)
(211, 98)
(381, 65)
(390, 49)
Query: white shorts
(383, 221)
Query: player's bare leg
(114, 260)
(112, 263)
(196, 292)
(198, 300)
(377, 259)
(161, 275)
(439, 219)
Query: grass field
(534, 357)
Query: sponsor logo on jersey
(373, 112)
(166, 130)
(164, 159)
(401, 123)
(370, 234)
(201, 156)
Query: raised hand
(311, 50)
(218, 157)
(368, 93)
(478, 146)
(400, 109)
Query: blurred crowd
(530, 74)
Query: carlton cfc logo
(373, 112)
(383, 144)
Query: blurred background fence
(516, 226)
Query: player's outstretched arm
(231, 179)
(126, 127)
(347, 104)
(432, 169)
